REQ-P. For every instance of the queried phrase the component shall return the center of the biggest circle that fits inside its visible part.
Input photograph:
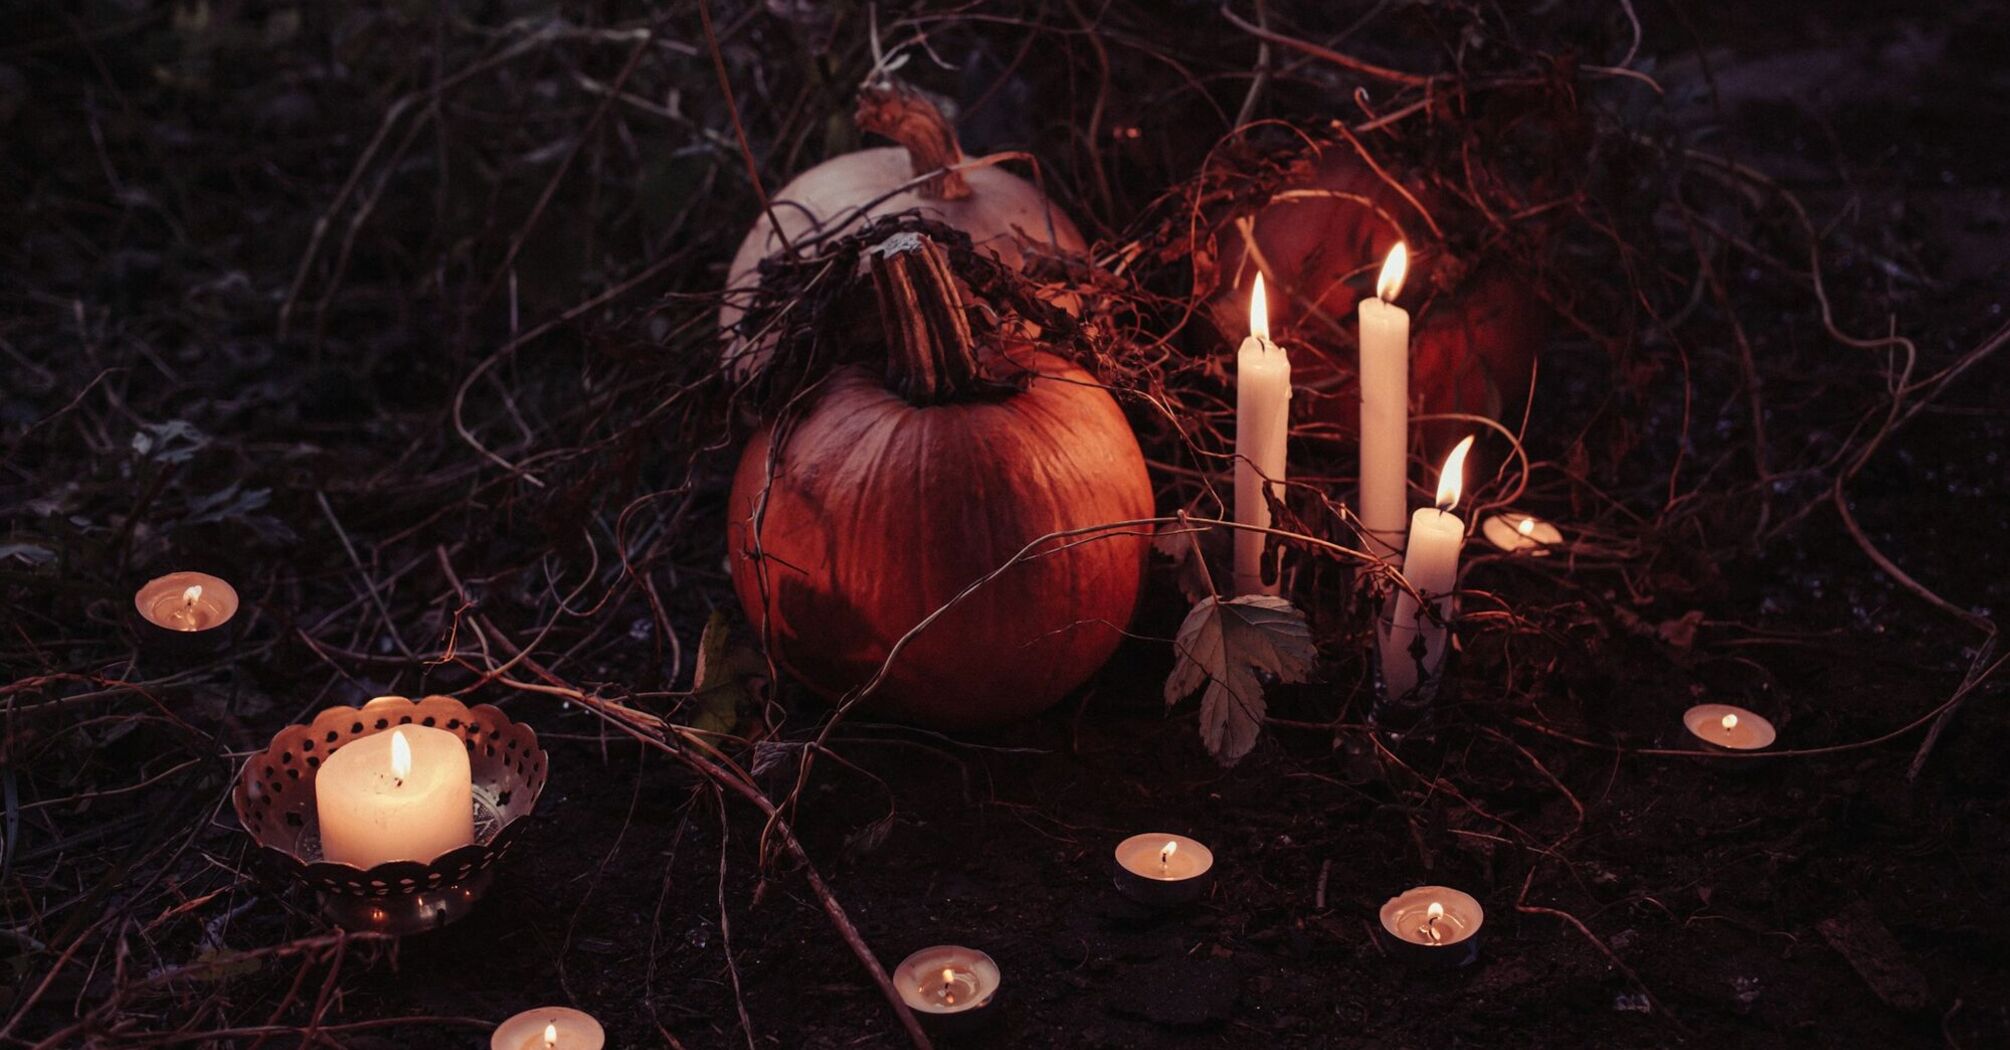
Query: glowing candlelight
(549, 1028)
(1385, 408)
(1262, 424)
(186, 602)
(1162, 870)
(1431, 565)
(1729, 728)
(403, 795)
(1433, 924)
(1521, 534)
(947, 981)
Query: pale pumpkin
(1005, 216)
(895, 492)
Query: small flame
(1390, 284)
(1730, 722)
(192, 595)
(1165, 855)
(1435, 911)
(948, 976)
(1452, 478)
(551, 1034)
(1527, 527)
(1259, 311)
(401, 756)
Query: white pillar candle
(407, 794)
(1431, 565)
(1385, 409)
(1262, 421)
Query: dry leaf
(1224, 645)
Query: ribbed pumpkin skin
(881, 512)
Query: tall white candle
(1431, 565)
(1262, 421)
(1385, 409)
(403, 795)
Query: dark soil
(161, 178)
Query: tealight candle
(1162, 870)
(1434, 924)
(549, 1028)
(1728, 727)
(1516, 533)
(186, 602)
(407, 794)
(948, 984)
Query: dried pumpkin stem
(931, 356)
(890, 108)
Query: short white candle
(406, 794)
(1431, 565)
(186, 601)
(1262, 423)
(1433, 916)
(947, 979)
(1521, 533)
(1385, 409)
(1161, 869)
(1728, 727)
(549, 1028)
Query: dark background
(260, 263)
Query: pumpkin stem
(890, 108)
(931, 355)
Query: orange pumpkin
(893, 494)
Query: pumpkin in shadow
(894, 493)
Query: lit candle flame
(1165, 855)
(401, 756)
(1259, 311)
(192, 595)
(1730, 722)
(948, 985)
(1431, 916)
(1452, 478)
(1390, 284)
(551, 1034)
(1527, 527)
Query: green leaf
(1224, 645)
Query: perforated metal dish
(274, 799)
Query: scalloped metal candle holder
(274, 798)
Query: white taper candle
(1262, 422)
(1385, 409)
(1431, 565)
